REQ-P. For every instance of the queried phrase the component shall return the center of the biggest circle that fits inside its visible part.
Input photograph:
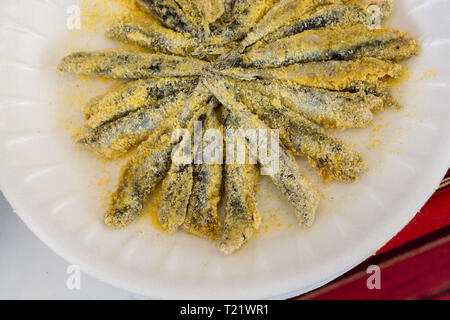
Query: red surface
(420, 274)
(415, 264)
(434, 215)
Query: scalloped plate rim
(365, 248)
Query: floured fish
(118, 64)
(331, 44)
(131, 96)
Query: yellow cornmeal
(99, 14)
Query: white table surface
(30, 270)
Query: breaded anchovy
(330, 44)
(225, 18)
(191, 10)
(170, 14)
(202, 218)
(330, 156)
(332, 75)
(138, 178)
(118, 64)
(245, 14)
(176, 190)
(115, 138)
(242, 218)
(210, 11)
(382, 90)
(384, 6)
(177, 187)
(132, 96)
(151, 35)
(331, 109)
(328, 16)
(396, 50)
(297, 189)
(223, 43)
(281, 14)
(194, 108)
(179, 183)
(149, 163)
(228, 12)
(332, 13)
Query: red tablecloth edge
(419, 269)
(415, 264)
(434, 215)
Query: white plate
(60, 191)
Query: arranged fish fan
(296, 66)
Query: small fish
(330, 44)
(282, 13)
(382, 91)
(113, 139)
(396, 50)
(331, 109)
(332, 75)
(177, 187)
(210, 11)
(152, 35)
(138, 178)
(362, 75)
(132, 96)
(179, 183)
(325, 14)
(330, 156)
(202, 217)
(228, 12)
(242, 218)
(225, 18)
(119, 64)
(224, 42)
(192, 10)
(245, 14)
(170, 14)
(148, 165)
(297, 189)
